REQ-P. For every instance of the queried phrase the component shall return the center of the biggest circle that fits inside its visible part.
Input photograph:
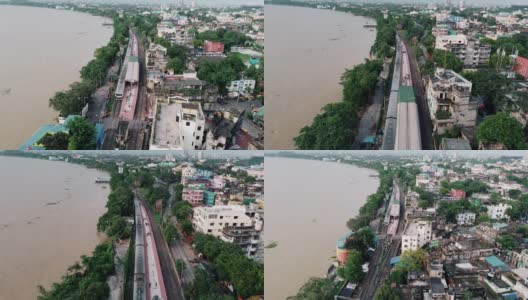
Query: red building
(458, 194)
(521, 66)
(213, 47)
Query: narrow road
(183, 251)
(368, 123)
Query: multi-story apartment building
(194, 194)
(470, 51)
(466, 218)
(212, 220)
(416, 235)
(498, 211)
(192, 125)
(236, 224)
(449, 100)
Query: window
(212, 224)
(197, 137)
(209, 231)
(199, 128)
(236, 217)
(187, 123)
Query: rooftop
(455, 144)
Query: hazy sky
(207, 3)
(467, 2)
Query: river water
(308, 204)
(307, 51)
(48, 219)
(42, 52)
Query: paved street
(368, 123)
(183, 251)
(100, 97)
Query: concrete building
(192, 125)
(218, 182)
(194, 194)
(450, 102)
(416, 235)
(518, 259)
(467, 218)
(242, 87)
(212, 220)
(498, 211)
(211, 47)
(178, 126)
(236, 224)
(470, 51)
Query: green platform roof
(406, 94)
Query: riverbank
(42, 236)
(335, 128)
(305, 63)
(66, 41)
(303, 224)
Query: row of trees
(84, 280)
(334, 128)
(120, 206)
(72, 101)
(369, 210)
(229, 265)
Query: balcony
(442, 114)
(461, 92)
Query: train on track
(127, 89)
(392, 217)
(140, 285)
(408, 136)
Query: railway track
(388, 247)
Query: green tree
(118, 228)
(170, 233)
(332, 129)
(176, 64)
(316, 289)
(186, 226)
(72, 101)
(221, 73)
(507, 242)
(82, 134)
(502, 129)
(413, 259)
(353, 271)
(180, 266)
(182, 210)
(385, 292)
(446, 59)
(515, 194)
(55, 141)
